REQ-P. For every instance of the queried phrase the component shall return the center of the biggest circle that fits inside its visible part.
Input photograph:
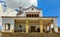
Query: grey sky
(25, 3)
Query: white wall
(30, 10)
(7, 20)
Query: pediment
(33, 7)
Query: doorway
(33, 28)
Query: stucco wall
(7, 20)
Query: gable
(29, 9)
(32, 9)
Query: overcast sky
(25, 3)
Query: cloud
(33, 2)
(12, 3)
(25, 3)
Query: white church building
(27, 20)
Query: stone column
(26, 26)
(41, 26)
(55, 25)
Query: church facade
(29, 20)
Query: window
(32, 15)
(27, 15)
(37, 15)
(7, 26)
(32, 8)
